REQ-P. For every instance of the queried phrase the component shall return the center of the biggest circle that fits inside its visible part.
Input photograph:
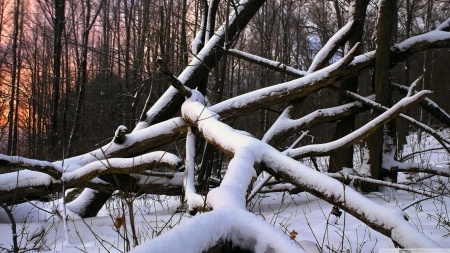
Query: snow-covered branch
(122, 165)
(135, 143)
(359, 134)
(347, 177)
(390, 164)
(329, 49)
(273, 65)
(438, 38)
(439, 137)
(193, 199)
(288, 91)
(14, 163)
(285, 127)
(428, 105)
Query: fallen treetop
(248, 150)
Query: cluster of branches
(120, 163)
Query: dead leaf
(293, 234)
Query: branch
(361, 133)
(13, 163)
(122, 166)
(347, 177)
(411, 155)
(445, 26)
(428, 105)
(390, 164)
(258, 187)
(193, 199)
(32, 185)
(438, 38)
(276, 134)
(288, 91)
(136, 143)
(164, 69)
(273, 65)
(279, 130)
(439, 137)
(338, 39)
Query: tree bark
(12, 105)
(383, 91)
(58, 27)
(345, 126)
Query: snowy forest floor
(309, 216)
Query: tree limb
(276, 135)
(359, 134)
(164, 69)
(13, 163)
(428, 105)
(273, 65)
(347, 177)
(439, 137)
(328, 50)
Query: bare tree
(82, 75)
(58, 27)
(12, 137)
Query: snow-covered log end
(243, 229)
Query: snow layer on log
(204, 231)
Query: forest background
(69, 80)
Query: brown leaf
(293, 234)
(120, 221)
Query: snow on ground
(304, 213)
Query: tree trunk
(19, 69)
(13, 79)
(383, 91)
(58, 27)
(347, 125)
